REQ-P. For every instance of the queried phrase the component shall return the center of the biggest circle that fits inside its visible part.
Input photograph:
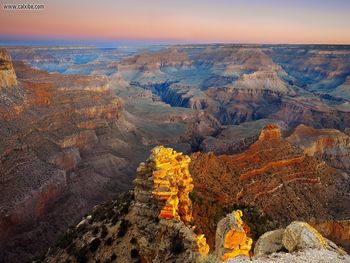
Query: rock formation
(297, 236)
(73, 135)
(163, 208)
(270, 132)
(153, 224)
(243, 83)
(231, 238)
(237, 138)
(300, 235)
(331, 145)
(272, 175)
(7, 73)
(336, 230)
(270, 242)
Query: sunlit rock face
(163, 210)
(331, 145)
(300, 235)
(53, 168)
(237, 138)
(270, 132)
(172, 184)
(7, 73)
(231, 237)
(274, 176)
(153, 224)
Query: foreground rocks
(154, 223)
(299, 236)
(302, 241)
(273, 176)
(269, 243)
(309, 256)
(231, 238)
(163, 209)
(296, 236)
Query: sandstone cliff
(330, 145)
(237, 138)
(154, 224)
(47, 154)
(7, 73)
(73, 135)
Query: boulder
(268, 243)
(301, 236)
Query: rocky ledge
(154, 223)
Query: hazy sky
(184, 21)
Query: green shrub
(134, 253)
(65, 240)
(104, 231)
(177, 246)
(113, 257)
(123, 228)
(94, 244)
(81, 255)
(109, 241)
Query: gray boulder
(269, 243)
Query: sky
(109, 22)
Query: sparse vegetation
(95, 243)
(95, 231)
(81, 255)
(123, 228)
(66, 239)
(109, 241)
(104, 231)
(113, 257)
(208, 259)
(134, 253)
(177, 246)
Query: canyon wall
(7, 73)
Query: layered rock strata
(153, 224)
(331, 145)
(297, 236)
(273, 176)
(163, 209)
(7, 74)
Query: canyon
(154, 223)
(265, 126)
(68, 143)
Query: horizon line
(125, 43)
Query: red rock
(272, 175)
